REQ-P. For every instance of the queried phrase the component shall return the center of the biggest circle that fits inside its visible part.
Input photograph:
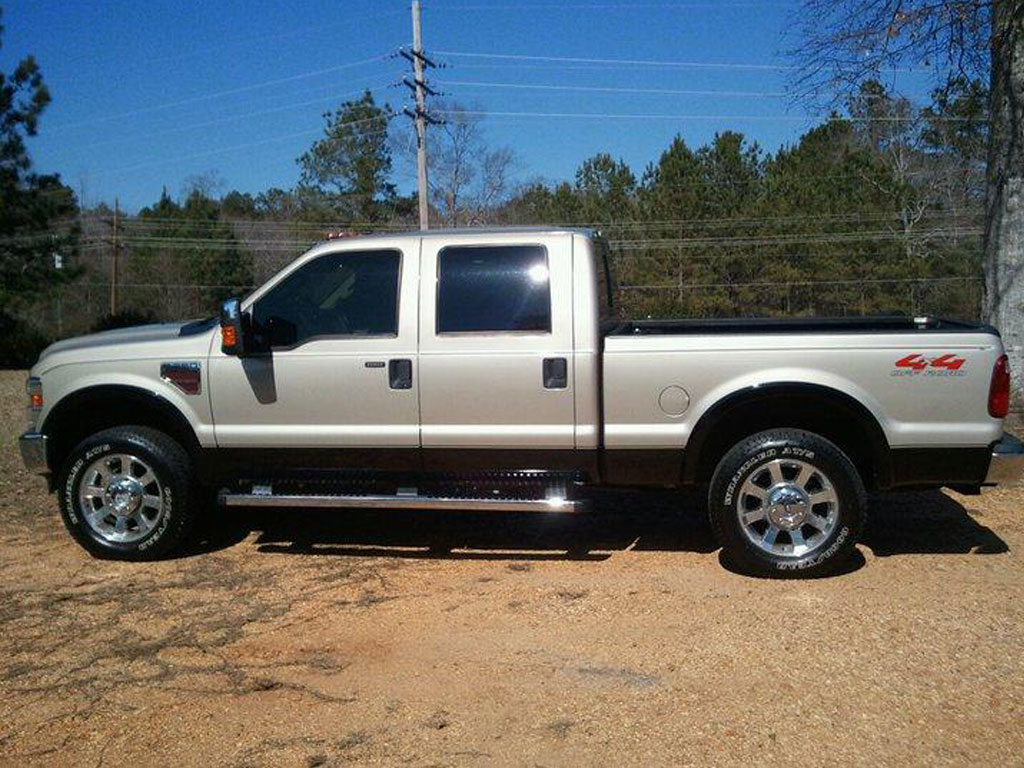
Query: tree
(38, 235)
(844, 42)
(469, 180)
(350, 167)
(190, 247)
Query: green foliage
(854, 218)
(347, 171)
(190, 245)
(34, 208)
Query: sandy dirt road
(298, 638)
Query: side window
(493, 288)
(352, 293)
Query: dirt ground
(300, 638)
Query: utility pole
(420, 116)
(113, 260)
(421, 108)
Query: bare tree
(468, 178)
(844, 42)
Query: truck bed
(787, 325)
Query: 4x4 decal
(943, 365)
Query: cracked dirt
(301, 638)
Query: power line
(232, 148)
(640, 62)
(626, 287)
(243, 116)
(599, 89)
(216, 94)
(596, 6)
(620, 62)
(802, 283)
(627, 116)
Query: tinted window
(353, 293)
(493, 288)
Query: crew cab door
(496, 348)
(338, 365)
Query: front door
(338, 366)
(496, 349)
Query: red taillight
(999, 391)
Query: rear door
(496, 346)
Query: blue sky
(147, 94)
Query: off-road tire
(170, 464)
(752, 462)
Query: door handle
(556, 373)
(400, 374)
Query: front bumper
(33, 452)
(1007, 463)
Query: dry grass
(308, 639)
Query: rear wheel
(127, 493)
(786, 502)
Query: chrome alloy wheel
(787, 507)
(121, 498)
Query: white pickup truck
(488, 369)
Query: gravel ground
(297, 638)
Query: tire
(138, 484)
(786, 503)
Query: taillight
(999, 391)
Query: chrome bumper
(1007, 463)
(33, 452)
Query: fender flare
(91, 403)
(718, 415)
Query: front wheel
(786, 502)
(127, 493)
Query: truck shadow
(926, 522)
(909, 523)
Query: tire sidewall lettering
(817, 559)
(72, 482)
(758, 458)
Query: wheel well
(835, 416)
(93, 409)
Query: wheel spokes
(121, 498)
(778, 509)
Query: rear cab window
(493, 289)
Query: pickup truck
(489, 370)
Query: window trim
(340, 336)
(468, 246)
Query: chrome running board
(262, 496)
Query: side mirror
(232, 333)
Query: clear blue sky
(147, 93)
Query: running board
(264, 499)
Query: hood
(137, 342)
